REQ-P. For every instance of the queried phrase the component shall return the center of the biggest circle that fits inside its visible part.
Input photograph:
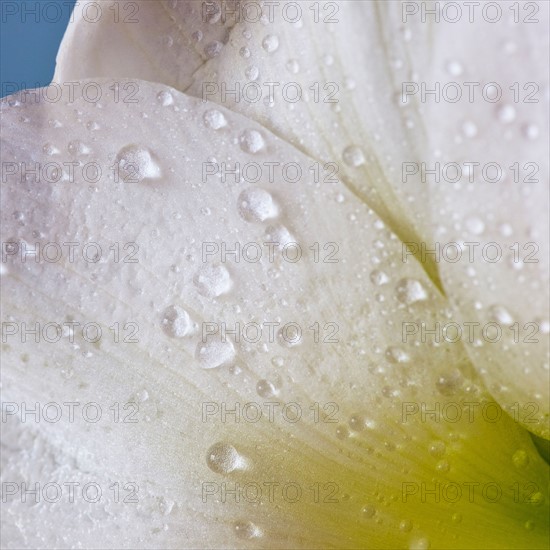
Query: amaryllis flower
(275, 275)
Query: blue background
(29, 40)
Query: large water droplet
(256, 205)
(214, 354)
(409, 291)
(251, 141)
(176, 322)
(353, 156)
(213, 281)
(214, 119)
(136, 164)
(223, 458)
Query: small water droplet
(214, 119)
(244, 52)
(266, 389)
(469, 129)
(454, 68)
(223, 458)
(342, 432)
(270, 43)
(506, 114)
(50, 149)
(176, 322)
(353, 156)
(501, 315)
(136, 164)
(437, 448)
(520, 459)
(251, 141)
(213, 281)
(410, 291)
(419, 544)
(215, 354)
(531, 131)
(252, 73)
(368, 511)
(405, 525)
(246, 530)
(77, 148)
(165, 98)
(213, 49)
(396, 355)
(378, 277)
(293, 66)
(256, 205)
(475, 226)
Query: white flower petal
(492, 199)
(324, 76)
(164, 203)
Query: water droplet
(501, 315)
(405, 525)
(475, 226)
(215, 354)
(176, 322)
(410, 291)
(456, 518)
(244, 52)
(454, 68)
(353, 156)
(442, 466)
(50, 149)
(531, 131)
(342, 432)
(368, 511)
(137, 164)
(293, 66)
(165, 98)
(213, 281)
(251, 141)
(92, 125)
(246, 530)
(213, 49)
(279, 234)
(270, 43)
(469, 129)
(506, 114)
(396, 355)
(419, 544)
(378, 278)
(223, 458)
(437, 448)
(197, 36)
(520, 458)
(213, 14)
(256, 205)
(266, 389)
(359, 423)
(252, 73)
(449, 383)
(214, 119)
